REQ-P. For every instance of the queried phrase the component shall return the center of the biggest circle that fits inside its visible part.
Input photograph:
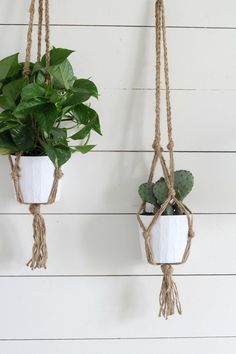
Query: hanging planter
(45, 118)
(36, 178)
(169, 232)
(169, 237)
(166, 230)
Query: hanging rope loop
(169, 298)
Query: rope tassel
(39, 250)
(169, 297)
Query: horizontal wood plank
(117, 346)
(101, 182)
(132, 13)
(202, 120)
(113, 308)
(102, 245)
(199, 59)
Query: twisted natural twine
(169, 298)
(26, 70)
(39, 251)
(40, 24)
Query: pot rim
(164, 216)
(33, 157)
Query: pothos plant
(157, 193)
(46, 113)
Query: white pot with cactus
(169, 233)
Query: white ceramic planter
(36, 179)
(169, 237)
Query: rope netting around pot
(169, 298)
(39, 250)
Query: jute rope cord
(39, 250)
(169, 298)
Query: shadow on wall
(108, 246)
(138, 166)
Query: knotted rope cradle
(169, 298)
(39, 250)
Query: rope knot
(34, 209)
(58, 173)
(191, 234)
(15, 175)
(167, 269)
(157, 147)
(170, 146)
(172, 193)
(26, 72)
(146, 235)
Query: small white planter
(36, 179)
(169, 237)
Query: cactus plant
(146, 193)
(157, 193)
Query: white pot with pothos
(36, 179)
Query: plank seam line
(165, 151)
(114, 338)
(116, 275)
(109, 214)
(125, 26)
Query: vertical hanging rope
(15, 175)
(26, 70)
(169, 298)
(40, 24)
(47, 33)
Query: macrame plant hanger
(39, 250)
(169, 298)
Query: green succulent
(157, 193)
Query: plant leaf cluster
(157, 193)
(47, 113)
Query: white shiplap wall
(97, 297)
